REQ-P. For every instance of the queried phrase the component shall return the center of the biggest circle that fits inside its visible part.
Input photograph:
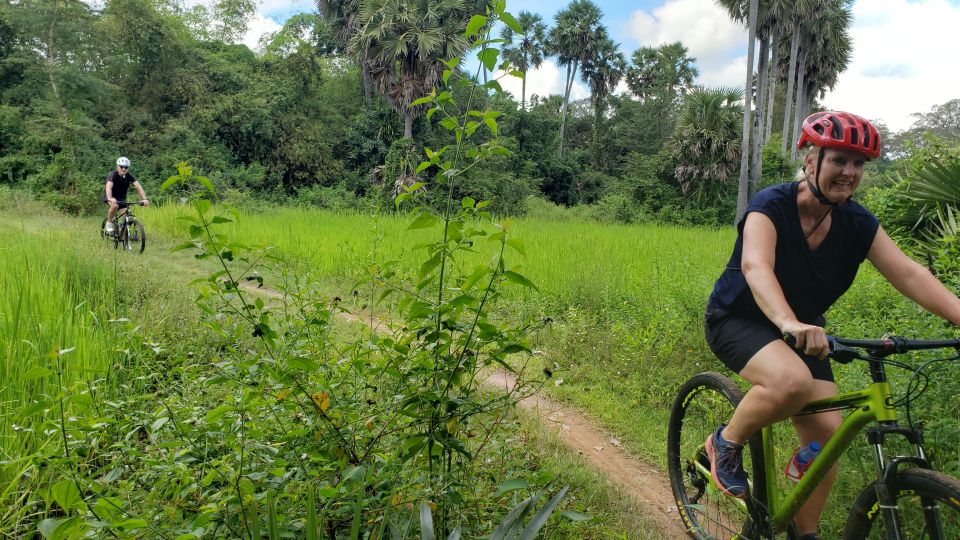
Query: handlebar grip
(838, 352)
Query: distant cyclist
(799, 249)
(118, 183)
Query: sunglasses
(124, 168)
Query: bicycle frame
(875, 404)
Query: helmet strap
(815, 188)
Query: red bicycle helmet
(838, 129)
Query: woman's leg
(782, 385)
(817, 427)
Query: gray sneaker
(108, 228)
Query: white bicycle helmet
(123, 162)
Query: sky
(903, 60)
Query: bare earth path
(646, 483)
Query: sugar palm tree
(706, 141)
(525, 49)
(343, 17)
(405, 43)
(602, 72)
(574, 39)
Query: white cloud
(256, 28)
(546, 80)
(706, 30)
(902, 60)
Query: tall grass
(55, 304)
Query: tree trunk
(52, 50)
(756, 165)
(742, 186)
(798, 108)
(772, 76)
(791, 77)
(523, 92)
(408, 124)
(367, 83)
(571, 73)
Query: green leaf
(519, 279)
(36, 372)
(450, 123)
(489, 58)
(540, 519)
(511, 22)
(492, 84)
(326, 492)
(158, 424)
(301, 363)
(468, 202)
(517, 245)
(424, 221)
(218, 413)
(491, 124)
(205, 182)
(515, 348)
(512, 485)
(431, 264)
(575, 516)
(169, 182)
(355, 474)
(424, 165)
(476, 22)
(202, 205)
(426, 515)
(514, 519)
(400, 198)
(131, 524)
(221, 219)
(67, 495)
(421, 101)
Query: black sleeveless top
(811, 280)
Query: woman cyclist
(798, 250)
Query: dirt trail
(647, 484)
(644, 482)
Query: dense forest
(319, 114)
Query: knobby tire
(702, 404)
(928, 504)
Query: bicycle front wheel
(927, 506)
(702, 404)
(134, 237)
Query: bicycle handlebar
(844, 350)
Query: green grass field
(625, 303)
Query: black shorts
(735, 340)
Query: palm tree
(526, 48)
(343, 19)
(824, 52)
(602, 72)
(736, 10)
(573, 40)
(661, 76)
(405, 43)
(706, 141)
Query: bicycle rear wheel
(928, 507)
(703, 403)
(134, 236)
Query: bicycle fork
(887, 488)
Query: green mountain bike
(127, 230)
(908, 500)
